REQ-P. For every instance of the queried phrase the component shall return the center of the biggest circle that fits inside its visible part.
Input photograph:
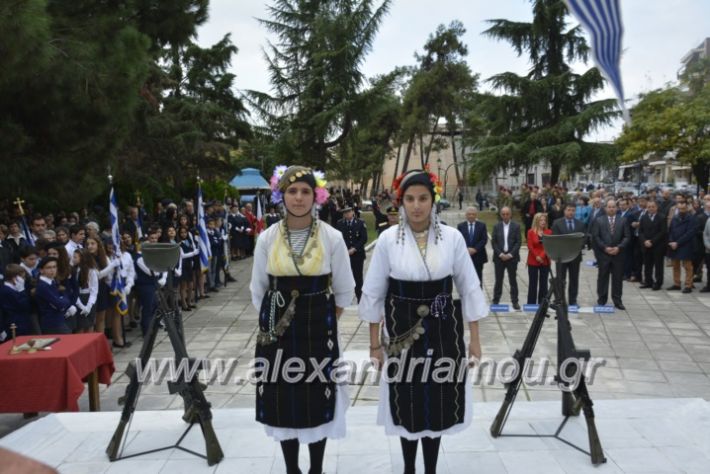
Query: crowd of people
(58, 273)
(633, 238)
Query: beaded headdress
(284, 176)
(425, 178)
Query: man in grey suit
(569, 225)
(610, 237)
(506, 255)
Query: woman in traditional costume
(408, 287)
(301, 281)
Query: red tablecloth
(52, 380)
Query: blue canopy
(250, 178)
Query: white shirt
(92, 289)
(335, 260)
(448, 257)
(506, 231)
(71, 247)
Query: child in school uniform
(15, 304)
(54, 308)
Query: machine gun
(562, 249)
(164, 258)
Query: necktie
(470, 231)
(570, 226)
(611, 226)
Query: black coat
(513, 241)
(477, 241)
(355, 236)
(655, 230)
(559, 227)
(602, 236)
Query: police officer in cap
(355, 234)
(392, 214)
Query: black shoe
(121, 346)
(687, 290)
(620, 306)
(516, 306)
(656, 287)
(705, 289)
(673, 288)
(231, 279)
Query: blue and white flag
(118, 284)
(205, 253)
(602, 20)
(26, 231)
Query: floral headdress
(285, 175)
(405, 179)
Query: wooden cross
(19, 202)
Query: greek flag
(118, 283)
(602, 20)
(26, 231)
(205, 253)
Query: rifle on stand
(562, 249)
(164, 258)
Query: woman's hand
(377, 356)
(338, 312)
(474, 355)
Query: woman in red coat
(538, 261)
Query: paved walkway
(658, 348)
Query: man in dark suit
(476, 236)
(355, 234)
(506, 255)
(529, 208)
(569, 225)
(610, 237)
(653, 234)
(630, 217)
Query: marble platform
(645, 436)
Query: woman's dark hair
(86, 264)
(101, 259)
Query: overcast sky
(657, 34)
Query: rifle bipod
(573, 400)
(197, 408)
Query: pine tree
(546, 114)
(315, 74)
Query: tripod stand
(159, 258)
(561, 248)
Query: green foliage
(545, 114)
(376, 121)
(190, 122)
(440, 88)
(88, 84)
(674, 119)
(67, 97)
(314, 69)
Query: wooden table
(52, 380)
